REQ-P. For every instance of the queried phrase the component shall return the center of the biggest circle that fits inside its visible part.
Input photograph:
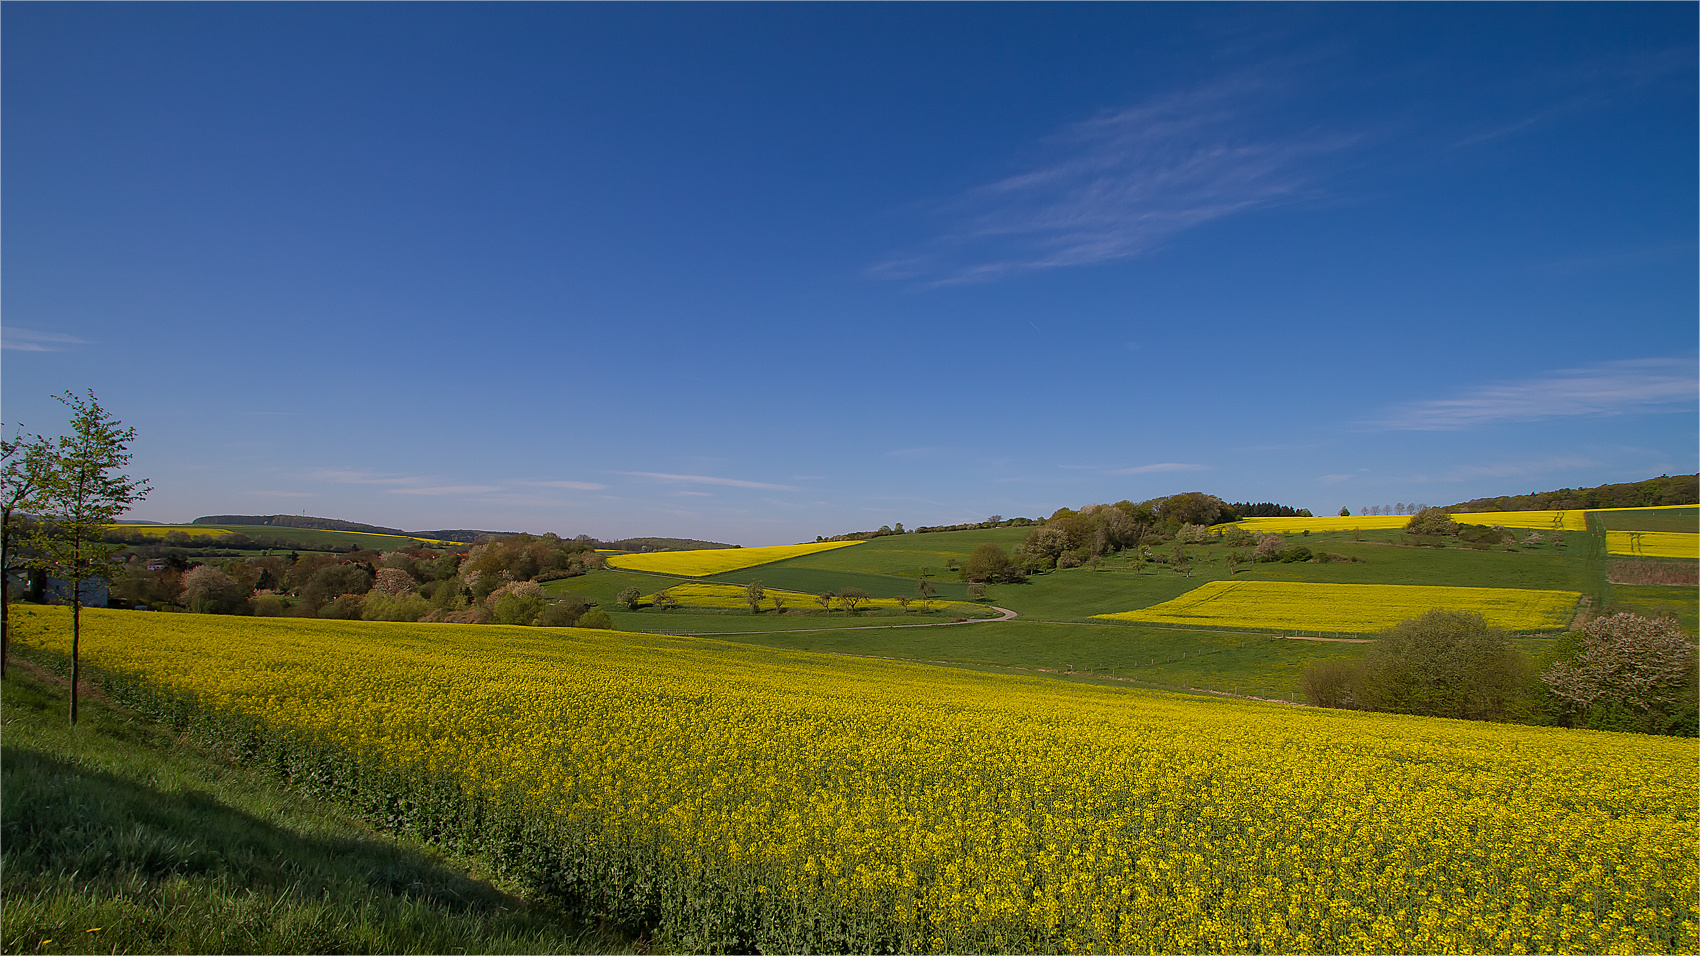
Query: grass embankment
(119, 836)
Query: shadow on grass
(112, 827)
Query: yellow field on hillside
(194, 530)
(709, 595)
(1534, 520)
(1654, 544)
(1350, 608)
(700, 564)
(213, 531)
(752, 799)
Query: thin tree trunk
(76, 634)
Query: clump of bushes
(1619, 672)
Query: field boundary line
(1008, 615)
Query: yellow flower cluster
(787, 801)
(701, 564)
(1350, 608)
(706, 594)
(1654, 544)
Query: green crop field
(270, 536)
(1657, 519)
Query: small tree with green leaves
(82, 490)
(850, 597)
(753, 595)
(925, 587)
(630, 597)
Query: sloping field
(740, 799)
(1350, 608)
(699, 564)
(1654, 544)
(1684, 518)
(1539, 520)
(1324, 523)
(709, 595)
(263, 533)
(1536, 520)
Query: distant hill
(298, 521)
(1664, 490)
(663, 544)
(462, 535)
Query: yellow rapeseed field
(194, 530)
(1350, 608)
(705, 594)
(701, 564)
(1654, 544)
(746, 799)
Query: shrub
(597, 618)
(565, 612)
(384, 606)
(990, 563)
(1329, 683)
(1626, 672)
(207, 590)
(1431, 521)
(269, 605)
(1446, 664)
(346, 607)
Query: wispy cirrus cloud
(16, 339)
(1612, 388)
(1160, 468)
(568, 485)
(706, 480)
(347, 476)
(1121, 183)
(445, 490)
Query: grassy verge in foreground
(119, 838)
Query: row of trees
(1619, 672)
(414, 583)
(73, 486)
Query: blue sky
(760, 272)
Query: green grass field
(268, 537)
(1659, 519)
(120, 836)
(1054, 632)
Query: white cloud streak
(568, 485)
(1160, 468)
(1614, 388)
(16, 339)
(706, 480)
(445, 490)
(1125, 182)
